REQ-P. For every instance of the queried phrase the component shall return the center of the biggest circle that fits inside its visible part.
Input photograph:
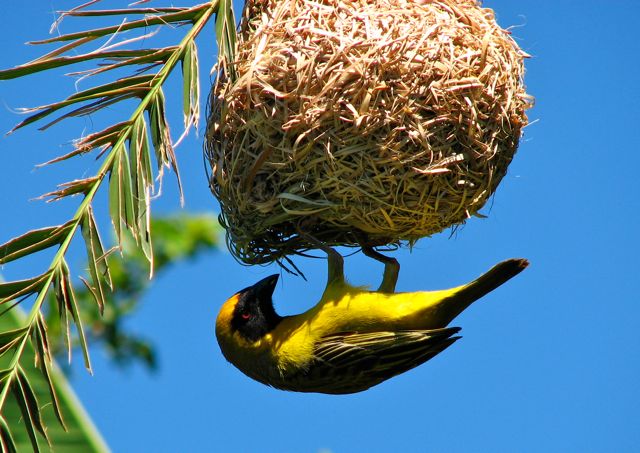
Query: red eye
(246, 315)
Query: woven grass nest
(388, 120)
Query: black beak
(264, 288)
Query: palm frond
(126, 150)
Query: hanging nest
(385, 119)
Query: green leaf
(78, 186)
(61, 302)
(195, 85)
(144, 228)
(111, 143)
(32, 242)
(9, 335)
(98, 266)
(6, 440)
(71, 305)
(114, 198)
(28, 404)
(185, 15)
(186, 84)
(83, 37)
(13, 290)
(140, 142)
(141, 175)
(226, 37)
(40, 64)
(120, 85)
(190, 87)
(175, 238)
(40, 332)
(81, 435)
(11, 338)
(151, 60)
(98, 140)
(88, 109)
(138, 185)
(120, 89)
(121, 195)
(128, 11)
(128, 213)
(43, 358)
(5, 373)
(161, 138)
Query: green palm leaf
(81, 434)
(126, 150)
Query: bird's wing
(350, 362)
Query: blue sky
(548, 362)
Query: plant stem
(198, 23)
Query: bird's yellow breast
(344, 308)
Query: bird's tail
(465, 295)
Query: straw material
(385, 119)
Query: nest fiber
(387, 120)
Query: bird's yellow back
(345, 308)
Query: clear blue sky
(549, 362)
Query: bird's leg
(335, 262)
(391, 269)
(335, 265)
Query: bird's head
(249, 314)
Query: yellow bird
(352, 339)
